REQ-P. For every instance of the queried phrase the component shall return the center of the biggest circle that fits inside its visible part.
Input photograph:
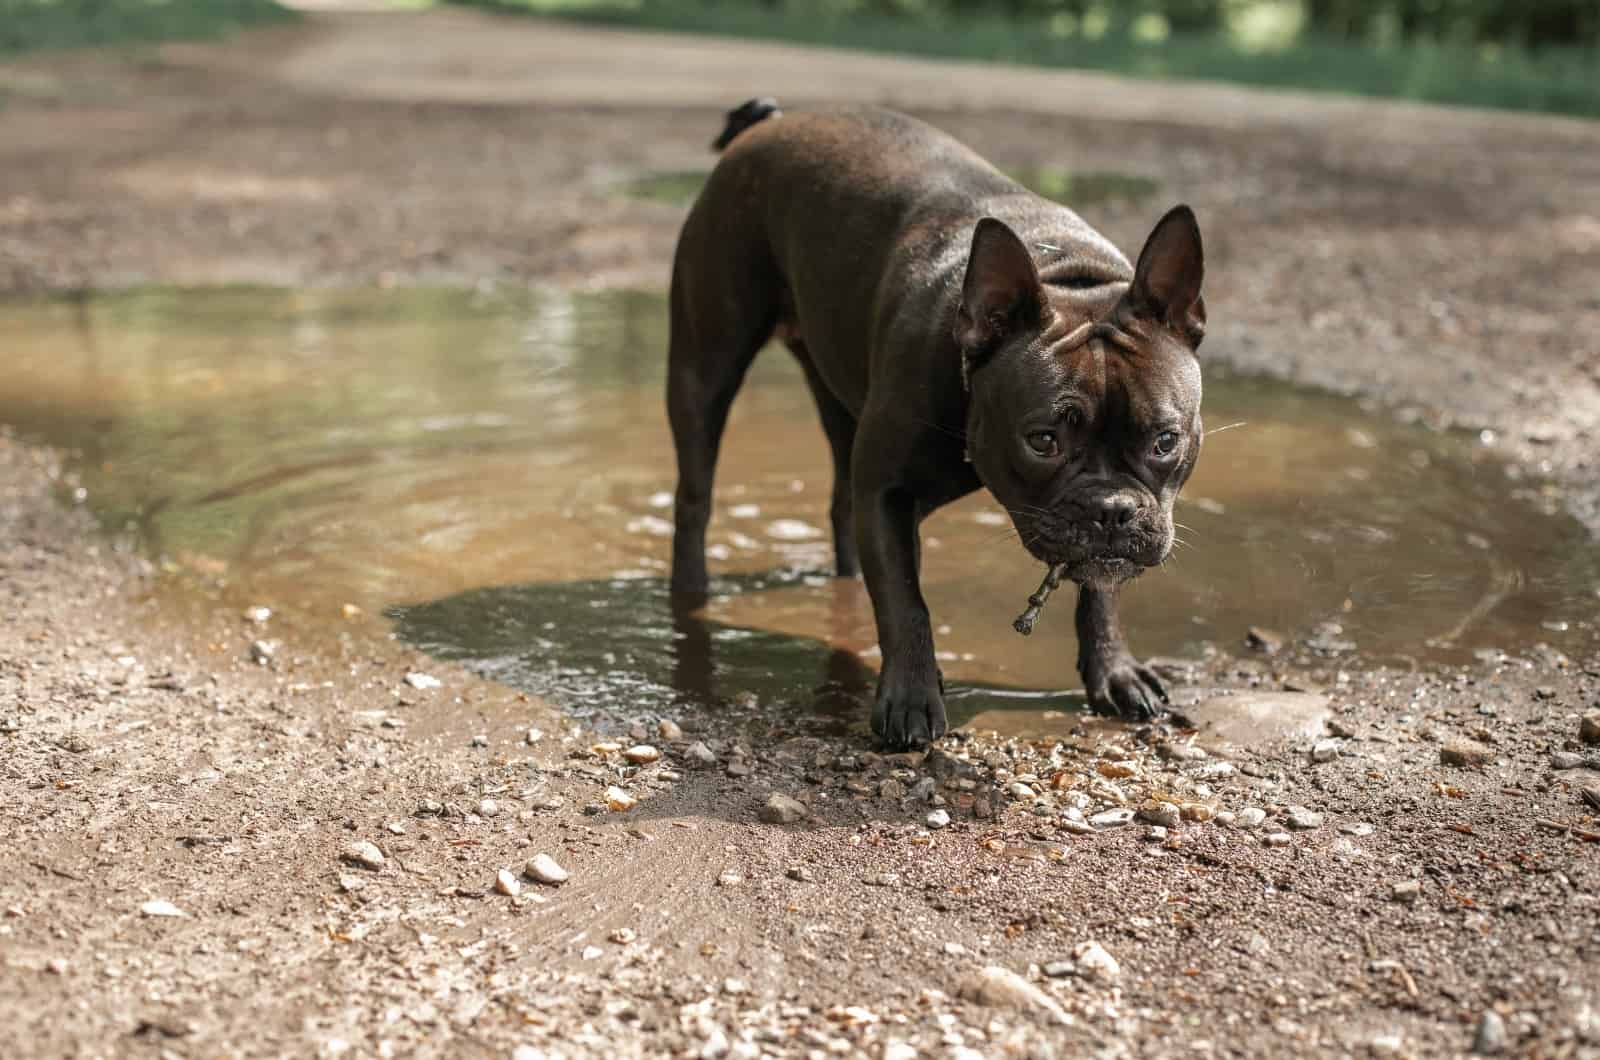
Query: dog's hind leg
(715, 334)
(839, 424)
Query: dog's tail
(746, 114)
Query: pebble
(350, 884)
(938, 819)
(619, 800)
(533, 736)
(1261, 639)
(1227, 818)
(1077, 827)
(730, 878)
(430, 808)
(1589, 728)
(488, 808)
(507, 884)
(1095, 961)
(1183, 752)
(1357, 828)
(1490, 1039)
(623, 936)
(1197, 811)
(262, 651)
(800, 874)
(641, 754)
(735, 987)
(669, 730)
(1406, 891)
(924, 789)
(1301, 819)
(543, 867)
(365, 854)
(258, 614)
(891, 790)
(1325, 751)
(1565, 760)
(1019, 790)
(781, 809)
(1156, 833)
(738, 767)
(422, 681)
(698, 754)
(479, 740)
(1112, 818)
(1464, 754)
(1251, 817)
(1276, 839)
(1058, 969)
(1162, 814)
(898, 1050)
(999, 987)
(160, 907)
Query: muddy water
(493, 472)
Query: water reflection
(319, 448)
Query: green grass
(31, 25)
(1563, 82)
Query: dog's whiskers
(1226, 427)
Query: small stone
(1162, 814)
(730, 878)
(1276, 839)
(160, 907)
(1112, 818)
(641, 754)
(1156, 834)
(591, 953)
(891, 790)
(262, 651)
(1406, 891)
(1019, 790)
(738, 767)
(1590, 795)
(533, 736)
(954, 949)
(623, 936)
(543, 867)
(781, 809)
(365, 854)
(938, 819)
(669, 730)
(488, 808)
(1356, 828)
(1325, 751)
(1227, 818)
(1464, 754)
(1340, 729)
(479, 740)
(1589, 728)
(421, 681)
(1565, 760)
(1197, 811)
(258, 614)
(982, 809)
(1183, 752)
(507, 884)
(1265, 641)
(799, 873)
(735, 987)
(429, 808)
(924, 789)
(1251, 817)
(999, 987)
(699, 755)
(351, 884)
(618, 800)
(1058, 969)
(1077, 827)
(898, 1050)
(1301, 819)
(1095, 961)
(1490, 1040)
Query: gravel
(365, 854)
(545, 869)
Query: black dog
(957, 331)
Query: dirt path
(1405, 251)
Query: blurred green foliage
(1516, 54)
(30, 24)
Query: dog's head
(1084, 416)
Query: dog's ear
(1001, 291)
(1166, 282)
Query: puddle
(494, 472)
(1076, 189)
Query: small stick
(1036, 602)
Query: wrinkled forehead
(1150, 380)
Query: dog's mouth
(1103, 569)
(1087, 556)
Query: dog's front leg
(1117, 683)
(909, 708)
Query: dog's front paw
(909, 710)
(1121, 686)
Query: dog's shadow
(615, 652)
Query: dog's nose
(1116, 511)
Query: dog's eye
(1044, 443)
(1166, 442)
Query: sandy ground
(1433, 861)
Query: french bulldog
(957, 331)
